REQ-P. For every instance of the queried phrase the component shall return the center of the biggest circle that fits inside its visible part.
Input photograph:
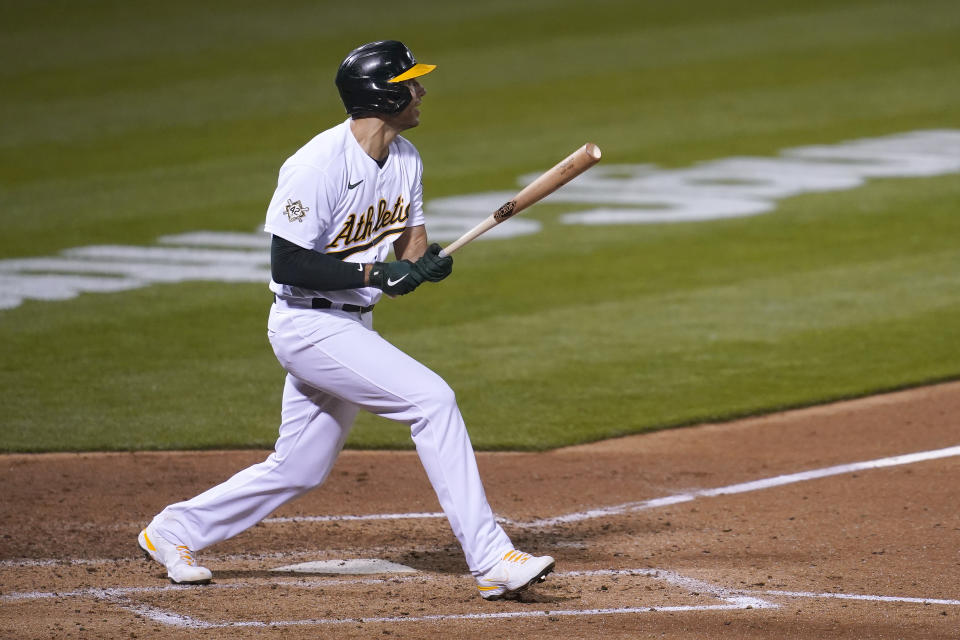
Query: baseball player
(342, 201)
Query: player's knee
(442, 396)
(298, 480)
(303, 477)
(434, 400)
(437, 406)
(305, 481)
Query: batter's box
(431, 597)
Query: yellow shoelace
(517, 556)
(185, 554)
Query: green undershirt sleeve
(293, 265)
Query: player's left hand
(395, 278)
(432, 266)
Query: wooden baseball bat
(551, 180)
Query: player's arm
(415, 263)
(412, 245)
(293, 265)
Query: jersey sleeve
(415, 218)
(302, 206)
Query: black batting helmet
(368, 77)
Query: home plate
(358, 566)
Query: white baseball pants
(337, 365)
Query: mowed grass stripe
(121, 124)
(589, 363)
(712, 353)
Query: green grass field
(121, 123)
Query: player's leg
(313, 429)
(357, 364)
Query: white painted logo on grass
(730, 187)
(615, 194)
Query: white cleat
(515, 572)
(182, 567)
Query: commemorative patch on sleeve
(295, 211)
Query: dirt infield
(808, 524)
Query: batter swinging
(341, 202)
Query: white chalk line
(631, 507)
(121, 596)
(122, 592)
(233, 557)
(178, 620)
(691, 584)
(856, 596)
(735, 599)
(97, 592)
(734, 602)
(745, 487)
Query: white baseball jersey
(333, 198)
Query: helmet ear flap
(387, 97)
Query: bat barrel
(551, 180)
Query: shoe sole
(513, 593)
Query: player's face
(410, 117)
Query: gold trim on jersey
(357, 229)
(363, 247)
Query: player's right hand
(395, 278)
(432, 266)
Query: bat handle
(485, 225)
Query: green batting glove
(395, 278)
(432, 266)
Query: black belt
(323, 303)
